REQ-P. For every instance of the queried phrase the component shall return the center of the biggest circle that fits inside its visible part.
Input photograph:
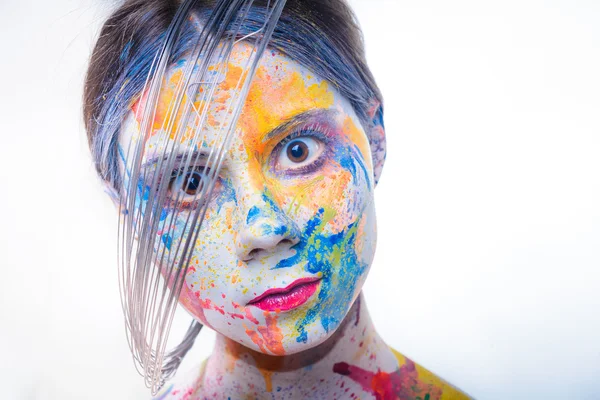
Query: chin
(315, 333)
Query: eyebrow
(300, 119)
(180, 158)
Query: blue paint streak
(167, 240)
(347, 161)
(227, 194)
(281, 230)
(378, 117)
(143, 190)
(163, 214)
(266, 229)
(270, 207)
(318, 251)
(361, 163)
(270, 202)
(253, 214)
(122, 156)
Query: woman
(288, 229)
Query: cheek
(366, 235)
(212, 263)
(214, 255)
(214, 243)
(340, 187)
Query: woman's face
(289, 233)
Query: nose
(266, 229)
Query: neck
(234, 367)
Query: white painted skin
(235, 255)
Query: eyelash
(177, 172)
(321, 133)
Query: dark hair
(322, 35)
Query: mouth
(283, 299)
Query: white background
(489, 203)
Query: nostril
(253, 253)
(285, 243)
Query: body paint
(402, 384)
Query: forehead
(281, 89)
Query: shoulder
(184, 387)
(421, 381)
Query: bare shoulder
(424, 384)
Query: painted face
(289, 232)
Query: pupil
(193, 183)
(297, 151)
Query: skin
(270, 221)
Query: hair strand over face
(322, 35)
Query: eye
(299, 152)
(187, 186)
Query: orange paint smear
(267, 377)
(358, 137)
(256, 339)
(165, 116)
(272, 334)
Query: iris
(297, 151)
(193, 182)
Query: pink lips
(293, 295)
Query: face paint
(289, 232)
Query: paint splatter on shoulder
(409, 381)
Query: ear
(376, 134)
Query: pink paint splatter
(234, 315)
(402, 384)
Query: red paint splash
(402, 384)
(208, 305)
(235, 315)
(191, 301)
